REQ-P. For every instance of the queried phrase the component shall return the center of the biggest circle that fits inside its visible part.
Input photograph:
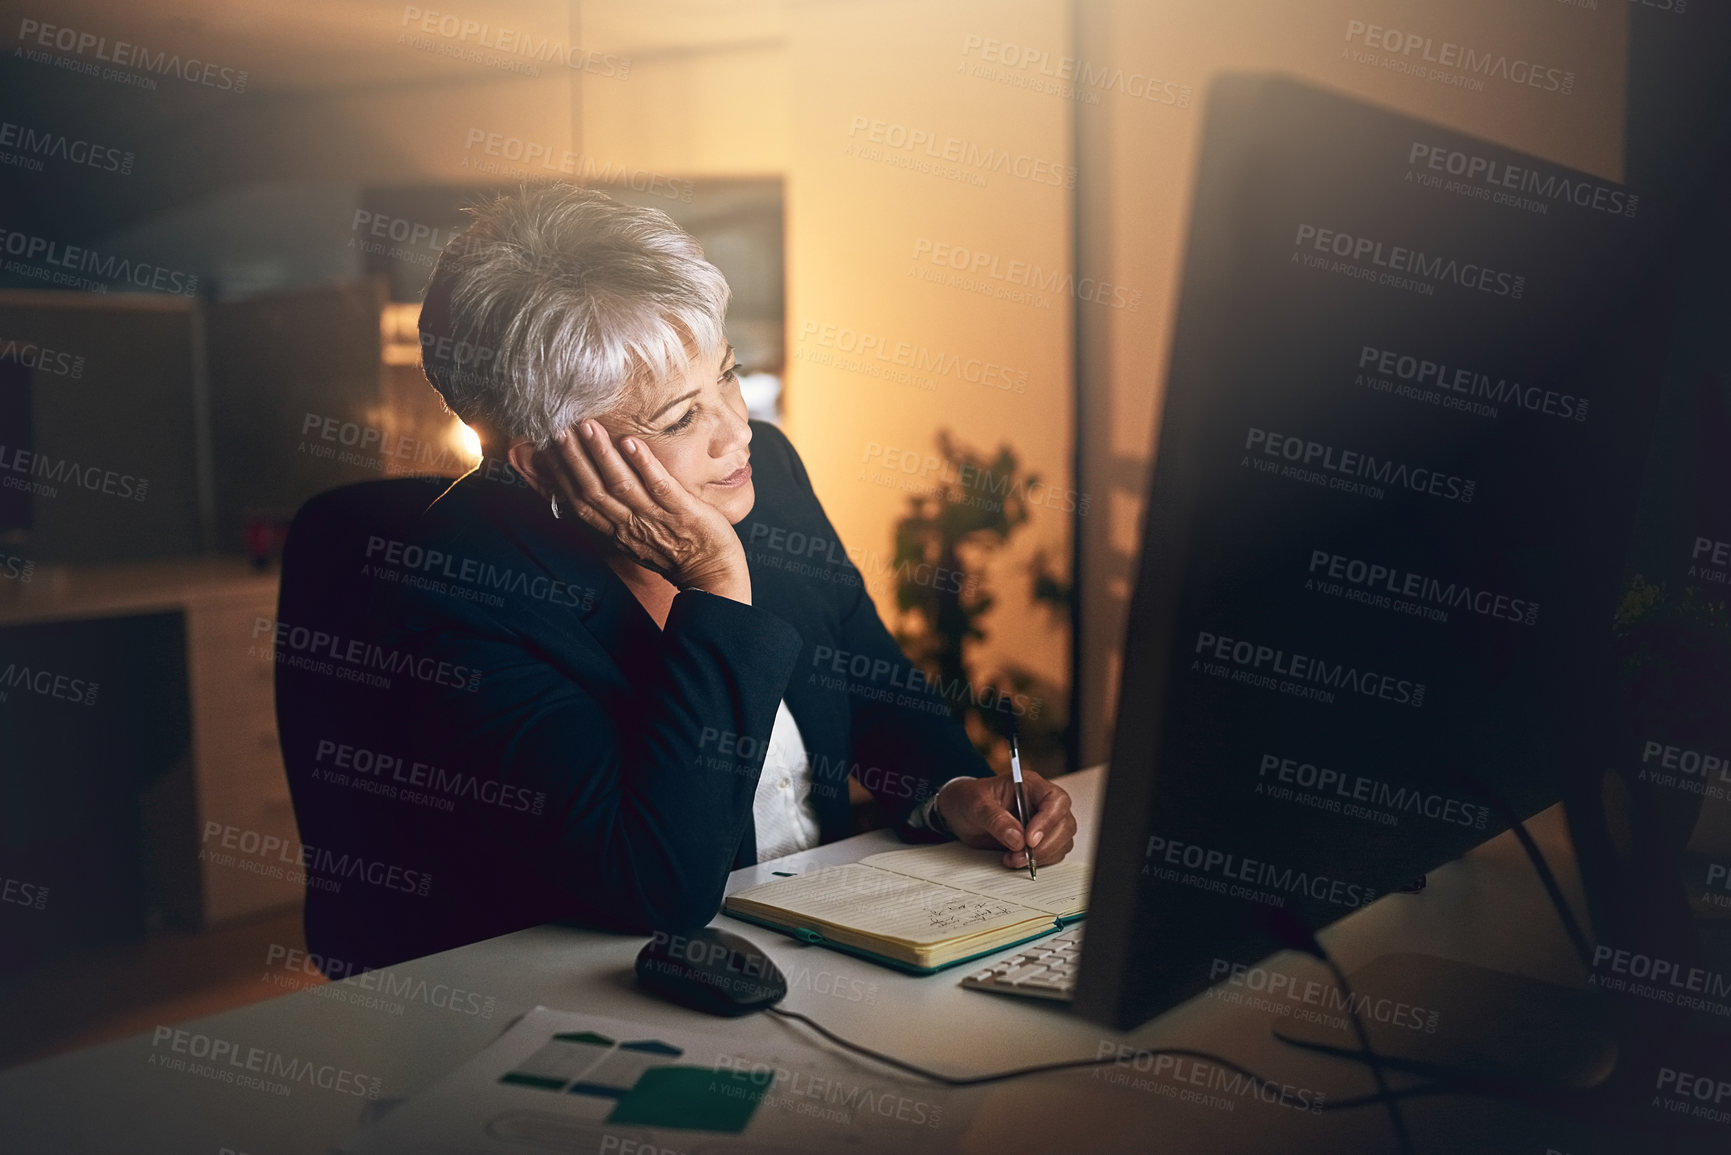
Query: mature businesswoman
(701, 704)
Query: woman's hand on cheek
(624, 493)
(981, 813)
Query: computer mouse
(710, 970)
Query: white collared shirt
(786, 820)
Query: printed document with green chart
(571, 1082)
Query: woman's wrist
(733, 587)
(727, 576)
(936, 818)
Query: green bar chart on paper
(638, 1082)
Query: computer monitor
(1406, 414)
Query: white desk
(1485, 908)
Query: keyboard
(1043, 970)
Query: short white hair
(556, 302)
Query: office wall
(701, 98)
(871, 246)
(1137, 160)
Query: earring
(555, 502)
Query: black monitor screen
(1397, 463)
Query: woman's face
(696, 427)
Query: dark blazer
(484, 730)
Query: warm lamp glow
(464, 439)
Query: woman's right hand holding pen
(981, 812)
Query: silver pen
(1022, 803)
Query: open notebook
(920, 909)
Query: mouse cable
(974, 1081)
(1298, 935)
(1374, 1061)
(1554, 892)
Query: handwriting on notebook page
(1060, 889)
(964, 911)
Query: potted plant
(981, 501)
